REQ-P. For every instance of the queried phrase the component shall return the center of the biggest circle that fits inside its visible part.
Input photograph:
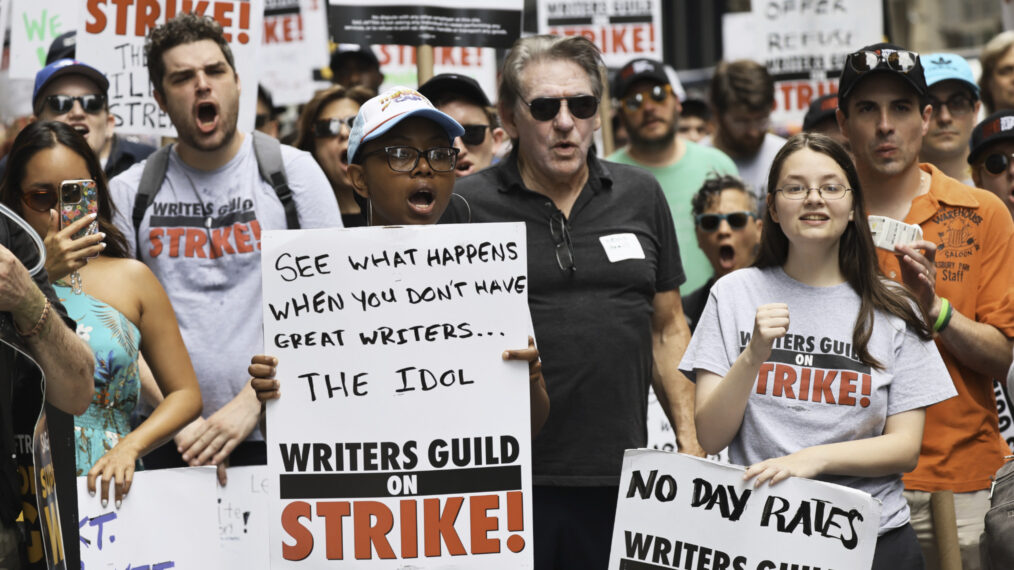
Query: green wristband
(944, 318)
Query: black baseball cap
(821, 109)
(636, 70)
(461, 85)
(996, 127)
(914, 75)
(63, 47)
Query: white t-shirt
(201, 238)
(813, 390)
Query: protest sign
(243, 518)
(34, 25)
(110, 37)
(678, 511)
(621, 30)
(166, 521)
(295, 44)
(401, 438)
(430, 22)
(399, 65)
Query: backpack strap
(151, 182)
(268, 152)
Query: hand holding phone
(78, 198)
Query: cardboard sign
(34, 25)
(110, 37)
(676, 511)
(402, 439)
(243, 518)
(166, 521)
(295, 43)
(426, 22)
(621, 30)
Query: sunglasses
(658, 94)
(332, 127)
(710, 222)
(62, 104)
(958, 105)
(40, 200)
(546, 108)
(997, 163)
(474, 134)
(896, 59)
(560, 230)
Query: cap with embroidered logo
(948, 66)
(381, 113)
(996, 127)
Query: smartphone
(78, 198)
(888, 232)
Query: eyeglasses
(62, 104)
(997, 163)
(406, 158)
(658, 94)
(560, 231)
(958, 105)
(474, 134)
(710, 222)
(896, 59)
(825, 191)
(332, 127)
(546, 108)
(40, 200)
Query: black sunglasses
(332, 127)
(896, 59)
(40, 200)
(546, 108)
(474, 134)
(710, 222)
(62, 104)
(997, 163)
(560, 230)
(658, 94)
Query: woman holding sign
(119, 305)
(810, 363)
(401, 160)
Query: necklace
(76, 283)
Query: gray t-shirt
(212, 272)
(754, 170)
(813, 390)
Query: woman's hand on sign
(262, 377)
(771, 322)
(802, 463)
(538, 396)
(116, 465)
(64, 254)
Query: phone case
(78, 198)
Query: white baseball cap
(380, 114)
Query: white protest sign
(679, 511)
(804, 44)
(34, 25)
(402, 438)
(166, 521)
(243, 518)
(110, 37)
(295, 43)
(621, 30)
(399, 65)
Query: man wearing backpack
(195, 213)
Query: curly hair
(713, 187)
(185, 28)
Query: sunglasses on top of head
(62, 104)
(546, 108)
(897, 59)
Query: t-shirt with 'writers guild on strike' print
(813, 389)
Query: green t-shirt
(679, 183)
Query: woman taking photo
(323, 131)
(853, 413)
(119, 306)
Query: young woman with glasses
(810, 363)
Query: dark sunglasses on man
(62, 104)
(332, 127)
(899, 60)
(997, 163)
(546, 108)
(474, 134)
(658, 94)
(710, 222)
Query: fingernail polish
(105, 502)
(91, 492)
(118, 503)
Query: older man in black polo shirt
(604, 270)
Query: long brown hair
(39, 136)
(857, 256)
(305, 139)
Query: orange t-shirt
(962, 447)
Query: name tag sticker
(622, 246)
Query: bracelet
(38, 324)
(944, 318)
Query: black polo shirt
(593, 324)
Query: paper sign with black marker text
(243, 518)
(678, 511)
(621, 30)
(401, 438)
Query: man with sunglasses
(75, 93)
(992, 156)
(961, 273)
(955, 100)
(604, 271)
(650, 112)
(461, 97)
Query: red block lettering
(290, 524)
(762, 377)
(371, 536)
(220, 242)
(409, 530)
(196, 240)
(155, 238)
(98, 23)
(482, 523)
(437, 525)
(785, 377)
(847, 387)
(174, 240)
(333, 513)
(822, 386)
(239, 233)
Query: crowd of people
(691, 261)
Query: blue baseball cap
(946, 67)
(380, 114)
(62, 67)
